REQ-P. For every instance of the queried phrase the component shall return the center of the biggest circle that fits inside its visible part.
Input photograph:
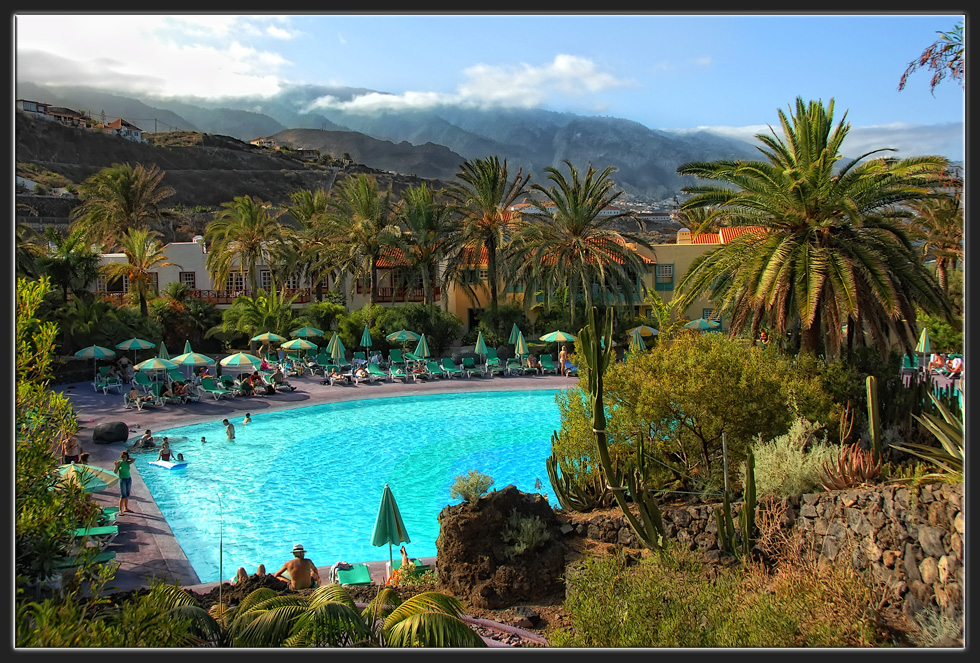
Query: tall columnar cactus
(596, 353)
(874, 418)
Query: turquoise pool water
(315, 475)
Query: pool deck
(146, 548)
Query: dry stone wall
(909, 538)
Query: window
(265, 279)
(484, 274)
(664, 277)
(189, 279)
(236, 281)
(115, 285)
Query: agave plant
(949, 431)
(854, 466)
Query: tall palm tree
(242, 235)
(360, 226)
(576, 246)
(483, 195)
(310, 210)
(832, 250)
(119, 198)
(938, 227)
(434, 232)
(144, 254)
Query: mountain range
(425, 143)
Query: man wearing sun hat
(302, 571)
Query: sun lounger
(211, 387)
(139, 402)
(101, 536)
(420, 568)
(570, 369)
(395, 358)
(451, 369)
(157, 392)
(547, 365)
(358, 574)
(435, 369)
(399, 373)
(143, 381)
(73, 561)
(377, 372)
(493, 365)
(469, 365)
(106, 382)
(515, 366)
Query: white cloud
(702, 61)
(567, 77)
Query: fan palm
(330, 618)
(144, 255)
(241, 236)
(267, 311)
(119, 198)
(433, 234)
(832, 250)
(575, 245)
(483, 195)
(359, 224)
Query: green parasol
(388, 526)
(557, 336)
(481, 346)
(366, 337)
(702, 324)
(520, 345)
(306, 332)
(514, 331)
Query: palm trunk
(941, 273)
(372, 275)
(492, 272)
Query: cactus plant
(596, 354)
(571, 495)
(874, 417)
(739, 541)
(854, 466)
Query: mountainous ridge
(645, 160)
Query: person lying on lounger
(302, 571)
(335, 374)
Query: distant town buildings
(80, 120)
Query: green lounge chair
(157, 392)
(101, 536)
(515, 366)
(73, 561)
(358, 574)
(451, 369)
(434, 369)
(396, 564)
(143, 381)
(175, 375)
(360, 355)
(377, 372)
(469, 365)
(395, 358)
(106, 382)
(493, 365)
(547, 365)
(145, 400)
(211, 387)
(399, 373)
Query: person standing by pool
(562, 359)
(71, 448)
(302, 571)
(125, 480)
(229, 430)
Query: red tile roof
(728, 233)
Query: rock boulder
(477, 560)
(110, 431)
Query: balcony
(386, 294)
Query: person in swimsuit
(71, 449)
(247, 420)
(122, 468)
(229, 430)
(302, 572)
(165, 452)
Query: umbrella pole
(391, 561)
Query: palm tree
(144, 254)
(241, 236)
(267, 311)
(831, 251)
(433, 234)
(576, 246)
(310, 209)
(360, 227)
(938, 226)
(67, 259)
(483, 195)
(119, 198)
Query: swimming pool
(315, 475)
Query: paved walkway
(146, 548)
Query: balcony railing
(401, 295)
(217, 297)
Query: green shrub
(667, 600)
(470, 486)
(790, 464)
(525, 534)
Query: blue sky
(731, 73)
